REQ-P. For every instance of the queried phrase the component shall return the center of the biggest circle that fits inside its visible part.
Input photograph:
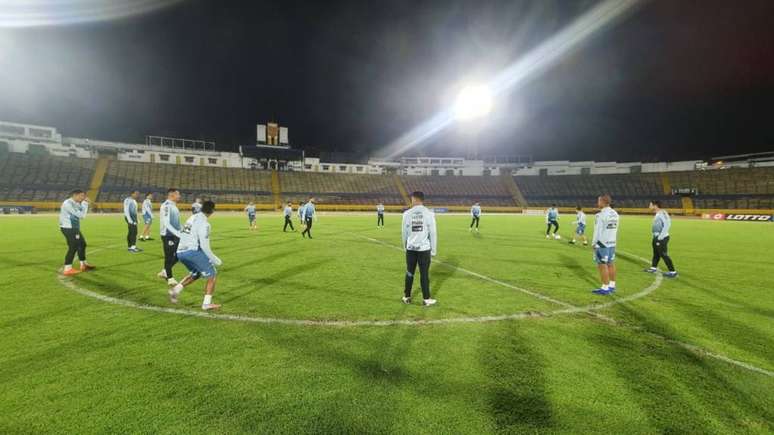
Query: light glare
(474, 101)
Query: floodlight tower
(473, 103)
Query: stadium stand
(627, 190)
(225, 185)
(40, 177)
(340, 188)
(26, 177)
(446, 190)
(741, 188)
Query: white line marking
(570, 309)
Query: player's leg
(664, 252)
(85, 266)
(72, 248)
(556, 227)
(604, 275)
(309, 227)
(412, 259)
(548, 229)
(285, 227)
(611, 272)
(290, 222)
(424, 276)
(209, 289)
(654, 244)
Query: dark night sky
(675, 80)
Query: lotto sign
(749, 217)
(714, 216)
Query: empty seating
(226, 185)
(340, 188)
(25, 177)
(460, 190)
(743, 188)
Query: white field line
(71, 285)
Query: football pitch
(313, 338)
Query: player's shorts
(251, 217)
(147, 218)
(604, 255)
(197, 263)
(580, 229)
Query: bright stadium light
(474, 101)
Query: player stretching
(475, 213)
(195, 253)
(380, 215)
(420, 241)
(170, 234)
(580, 229)
(552, 219)
(72, 211)
(250, 209)
(147, 216)
(307, 215)
(604, 241)
(196, 207)
(288, 212)
(130, 216)
(661, 224)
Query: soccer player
(288, 213)
(195, 253)
(475, 213)
(661, 224)
(170, 234)
(580, 226)
(552, 220)
(301, 213)
(380, 215)
(196, 207)
(130, 216)
(250, 209)
(72, 211)
(420, 241)
(604, 242)
(147, 216)
(307, 215)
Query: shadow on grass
(680, 391)
(580, 271)
(515, 388)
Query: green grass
(73, 364)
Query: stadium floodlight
(546, 54)
(474, 101)
(15, 13)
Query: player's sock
(605, 287)
(207, 300)
(177, 289)
(612, 284)
(68, 267)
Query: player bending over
(196, 207)
(661, 224)
(170, 228)
(475, 213)
(580, 226)
(288, 212)
(250, 209)
(552, 220)
(307, 215)
(195, 253)
(130, 216)
(72, 211)
(604, 241)
(420, 241)
(147, 216)
(380, 215)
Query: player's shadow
(515, 386)
(583, 272)
(441, 273)
(259, 284)
(651, 363)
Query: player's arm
(433, 234)
(204, 244)
(664, 227)
(598, 223)
(127, 214)
(405, 234)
